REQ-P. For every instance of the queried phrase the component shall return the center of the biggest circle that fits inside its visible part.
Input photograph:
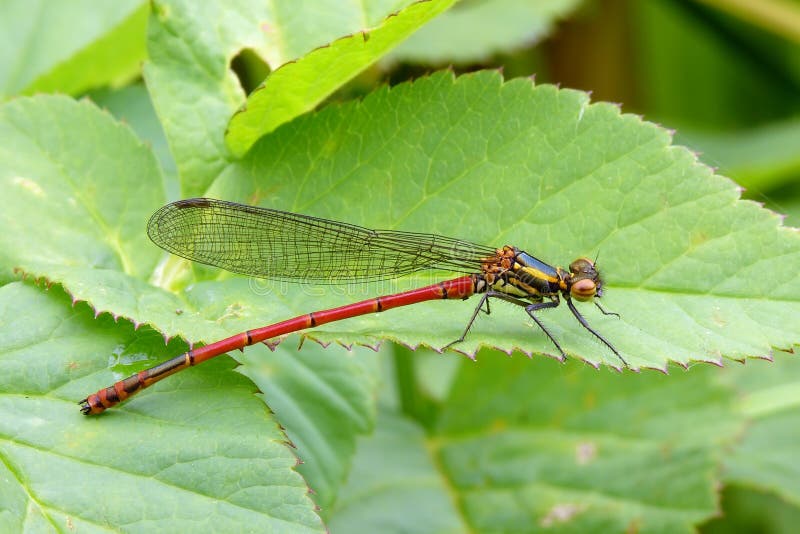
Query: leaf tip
(682, 365)
(717, 362)
(272, 344)
(507, 352)
(347, 346)
(618, 368)
(591, 363)
(769, 357)
(470, 355)
(409, 346)
(375, 347)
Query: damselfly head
(585, 280)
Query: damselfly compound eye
(583, 290)
(581, 266)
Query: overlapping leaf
(325, 399)
(69, 48)
(578, 451)
(299, 86)
(766, 459)
(196, 94)
(525, 446)
(408, 493)
(69, 191)
(169, 463)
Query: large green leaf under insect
(694, 273)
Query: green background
(661, 135)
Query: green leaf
(164, 464)
(132, 105)
(394, 485)
(324, 398)
(766, 458)
(750, 511)
(70, 47)
(524, 446)
(76, 187)
(297, 87)
(760, 159)
(538, 445)
(472, 32)
(72, 227)
(695, 273)
(195, 93)
(790, 206)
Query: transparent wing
(276, 244)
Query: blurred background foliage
(724, 74)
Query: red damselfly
(286, 246)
